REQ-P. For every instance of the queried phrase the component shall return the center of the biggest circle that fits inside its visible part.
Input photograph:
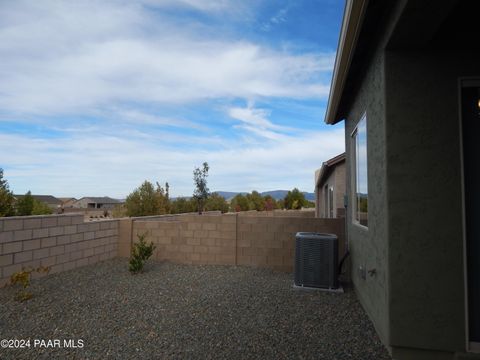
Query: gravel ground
(185, 312)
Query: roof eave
(320, 174)
(351, 25)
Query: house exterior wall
(369, 247)
(336, 179)
(318, 193)
(53, 207)
(340, 186)
(82, 203)
(415, 237)
(405, 77)
(86, 203)
(106, 206)
(425, 199)
(414, 240)
(69, 203)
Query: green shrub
(141, 251)
(40, 208)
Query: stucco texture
(369, 247)
(414, 240)
(425, 199)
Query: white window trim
(325, 200)
(331, 203)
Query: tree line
(294, 200)
(148, 199)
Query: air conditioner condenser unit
(316, 260)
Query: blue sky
(98, 96)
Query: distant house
(67, 202)
(51, 201)
(406, 86)
(330, 188)
(104, 202)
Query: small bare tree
(201, 192)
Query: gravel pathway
(185, 312)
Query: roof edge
(351, 24)
(320, 173)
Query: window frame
(325, 200)
(331, 209)
(354, 171)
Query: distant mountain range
(276, 194)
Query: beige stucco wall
(337, 180)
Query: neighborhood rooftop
(48, 199)
(102, 199)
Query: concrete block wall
(62, 242)
(189, 239)
(124, 236)
(270, 242)
(229, 239)
(87, 213)
(308, 213)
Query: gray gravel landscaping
(185, 312)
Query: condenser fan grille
(316, 260)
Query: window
(330, 202)
(360, 191)
(325, 205)
(328, 199)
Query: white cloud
(201, 5)
(262, 132)
(139, 117)
(249, 115)
(279, 17)
(110, 165)
(256, 121)
(68, 57)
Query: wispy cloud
(209, 6)
(279, 17)
(257, 122)
(75, 58)
(139, 117)
(115, 165)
